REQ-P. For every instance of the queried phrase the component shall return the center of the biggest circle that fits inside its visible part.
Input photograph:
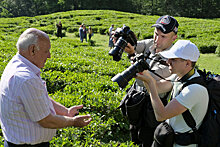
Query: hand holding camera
(123, 36)
(146, 77)
(129, 49)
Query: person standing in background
(59, 29)
(111, 44)
(84, 33)
(81, 32)
(90, 32)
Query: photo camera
(124, 36)
(139, 65)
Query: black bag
(132, 105)
(149, 116)
(163, 136)
(137, 107)
(208, 135)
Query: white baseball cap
(183, 49)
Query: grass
(209, 62)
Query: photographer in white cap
(182, 58)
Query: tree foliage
(186, 8)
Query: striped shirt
(24, 101)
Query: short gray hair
(29, 37)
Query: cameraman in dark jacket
(165, 34)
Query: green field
(80, 73)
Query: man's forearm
(157, 104)
(59, 108)
(56, 121)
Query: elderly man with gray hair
(29, 117)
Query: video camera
(124, 36)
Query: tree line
(183, 8)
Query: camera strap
(154, 60)
(153, 71)
(158, 59)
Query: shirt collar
(34, 68)
(187, 76)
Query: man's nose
(168, 61)
(157, 39)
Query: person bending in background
(29, 117)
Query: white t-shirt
(195, 98)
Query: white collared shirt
(24, 101)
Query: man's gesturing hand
(81, 120)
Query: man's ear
(31, 50)
(174, 37)
(188, 63)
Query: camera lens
(122, 43)
(119, 78)
(117, 51)
(123, 78)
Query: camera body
(124, 36)
(139, 65)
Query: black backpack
(208, 134)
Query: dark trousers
(59, 33)
(9, 144)
(142, 136)
(90, 36)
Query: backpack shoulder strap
(187, 116)
(197, 80)
(190, 121)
